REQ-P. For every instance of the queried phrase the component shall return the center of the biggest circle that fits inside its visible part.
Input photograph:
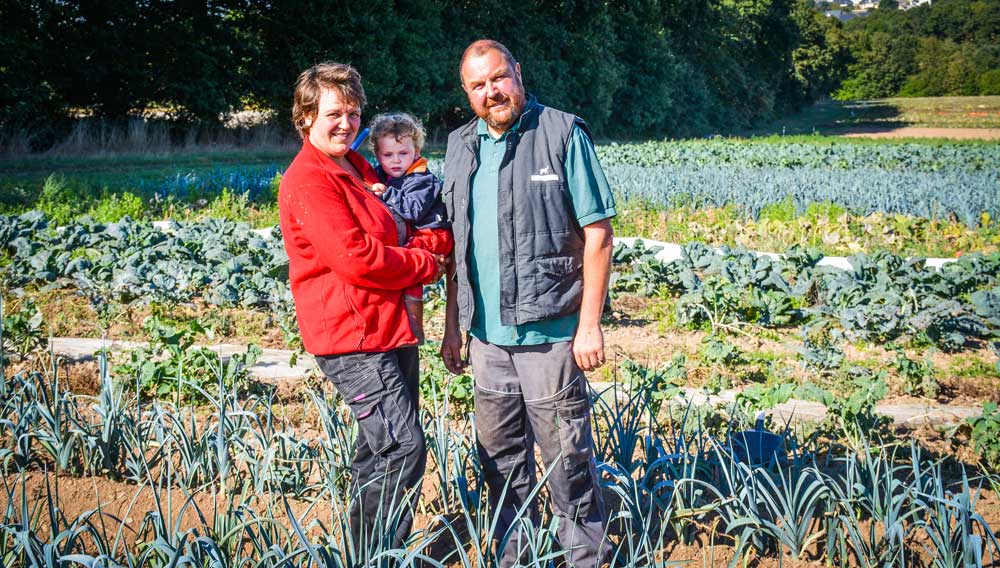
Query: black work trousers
(382, 392)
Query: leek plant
(241, 487)
(452, 453)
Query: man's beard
(515, 102)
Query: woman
(347, 278)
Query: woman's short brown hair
(327, 76)
(398, 125)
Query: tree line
(631, 68)
(949, 47)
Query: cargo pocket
(574, 494)
(367, 398)
(574, 433)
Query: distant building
(861, 8)
(844, 16)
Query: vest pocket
(556, 278)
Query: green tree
(882, 64)
(651, 94)
(938, 49)
(819, 61)
(29, 102)
(195, 68)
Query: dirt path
(922, 132)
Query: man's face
(335, 126)
(494, 89)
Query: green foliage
(440, 387)
(818, 58)
(989, 82)
(56, 200)
(661, 384)
(783, 211)
(128, 263)
(986, 435)
(756, 398)
(717, 351)
(775, 181)
(918, 378)
(946, 68)
(821, 346)
(172, 365)
(946, 48)
(239, 460)
(629, 68)
(115, 207)
(882, 297)
(227, 205)
(22, 331)
(851, 409)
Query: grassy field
(841, 117)
(105, 170)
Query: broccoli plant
(22, 332)
(986, 435)
(918, 378)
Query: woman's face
(335, 126)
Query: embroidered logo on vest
(544, 175)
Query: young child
(413, 195)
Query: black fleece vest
(541, 243)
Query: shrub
(112, 208)
(56, 200)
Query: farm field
(883, 116)
(167, 454)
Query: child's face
(395, 156)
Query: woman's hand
(377, 188)
(442, 266)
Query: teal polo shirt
(592, 201)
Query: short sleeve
(588, 187)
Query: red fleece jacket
(346, 275)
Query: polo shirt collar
(530, 107)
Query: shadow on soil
(837, 118)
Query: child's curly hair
(399, 125)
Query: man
(530, 208)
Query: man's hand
(451, 343)
(451, 352)
(588, 347)
(377, 188)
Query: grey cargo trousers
(529, 393)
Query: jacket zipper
(467, 296)
(513, 236)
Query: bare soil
(125, 510)
(925, 132)
(68, 314)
